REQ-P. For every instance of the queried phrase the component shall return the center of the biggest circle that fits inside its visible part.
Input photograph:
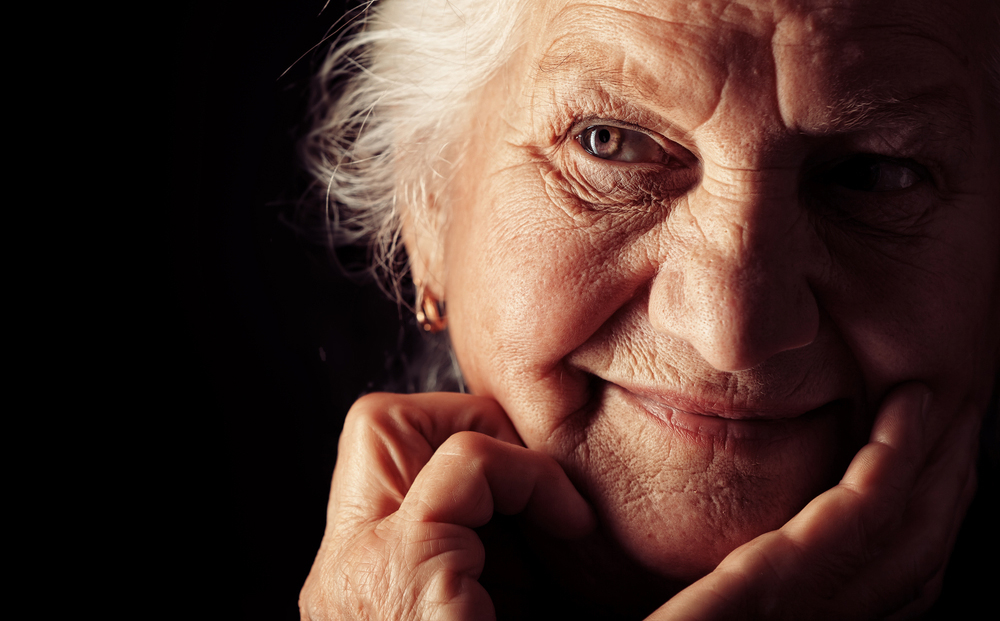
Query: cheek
(529, 280)
(929, 314)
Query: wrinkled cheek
(527, 291)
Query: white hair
(386, 111)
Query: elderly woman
(722, 283)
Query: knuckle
(371, 404)
(470, 445)
(377, 410)
(441, 590)
(449, 569)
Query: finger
(849, 523)
(439, 415)
(748, 584)
(932, 589)
(819, 552)
(896, 451)
(428, 545)
(387, 440)
(435, 571)
(920, 551)
(472, 474)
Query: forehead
(814, 63)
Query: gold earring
(430, 312)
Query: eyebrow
(865, 110)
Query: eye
(872, 173)
(621, 145)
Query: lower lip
(702, 428)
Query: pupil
(604, 136)
(861, 173)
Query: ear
(423, 236)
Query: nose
(734, 280)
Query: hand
(415, 474)
(874, 546)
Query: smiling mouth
(700, 421)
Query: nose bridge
(737, 289)
(750, 216)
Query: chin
(679, 485)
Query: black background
(251, 411)
(247, 411)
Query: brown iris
(622, 145)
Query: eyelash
(582, 124)
(625, 185)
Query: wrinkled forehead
(819, 60)
(746, 26)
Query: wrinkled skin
(702, 326)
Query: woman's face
(694, 244)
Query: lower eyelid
(626, 184)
